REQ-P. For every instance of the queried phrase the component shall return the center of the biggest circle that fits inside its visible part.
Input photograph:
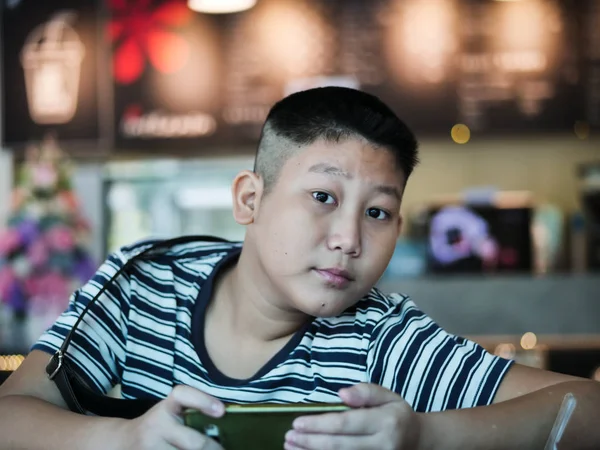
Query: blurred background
(128, 119)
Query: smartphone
(255, 426)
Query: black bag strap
(78, 396)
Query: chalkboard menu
(592, 64)
(166, 74)
(186, 80)
(498, 67)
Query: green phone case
(254, 427)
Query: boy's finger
(184, 397)
(363, 394)
(295, 440)
(353, 422)
(185, 438)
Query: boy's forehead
(347, 157)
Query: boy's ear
(400, 223)
(246, 190)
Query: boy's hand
(162, 426)
(383, 421)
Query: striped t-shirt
(146, 334)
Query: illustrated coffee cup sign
(51, 73)
(51, 60)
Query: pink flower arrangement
(49, 285)
(44, 176)
(38, 254)
(42, 249)
(7, 280)
(60, 238)
(10, 240)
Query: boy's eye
(376, 213)
(323, 197)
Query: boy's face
(326, 231)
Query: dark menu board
(414, 63)
(282, 46)
(187, 80)
(591, 55)
(166, 74)
(498, 67)
(277, 47)
(50, 70)
(520, 66)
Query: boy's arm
(34, 415)
(522, 416)
(528, 404)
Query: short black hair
(333, 114)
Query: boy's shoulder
(379, 303)
(182, 248)
(375, 309)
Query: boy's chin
(324, 307)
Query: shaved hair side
(273, 152)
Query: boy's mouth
(336, 277)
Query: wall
(87, 183)
(544, 165)
(508, 305)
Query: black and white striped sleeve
(430, 368)
(98, 346)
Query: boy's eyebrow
(332, 170)
(389, 190)
(329, 169)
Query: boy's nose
(345, 237)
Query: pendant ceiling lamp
(220, 6)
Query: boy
(291, 316)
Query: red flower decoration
(140, 30)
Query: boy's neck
(244, 302)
